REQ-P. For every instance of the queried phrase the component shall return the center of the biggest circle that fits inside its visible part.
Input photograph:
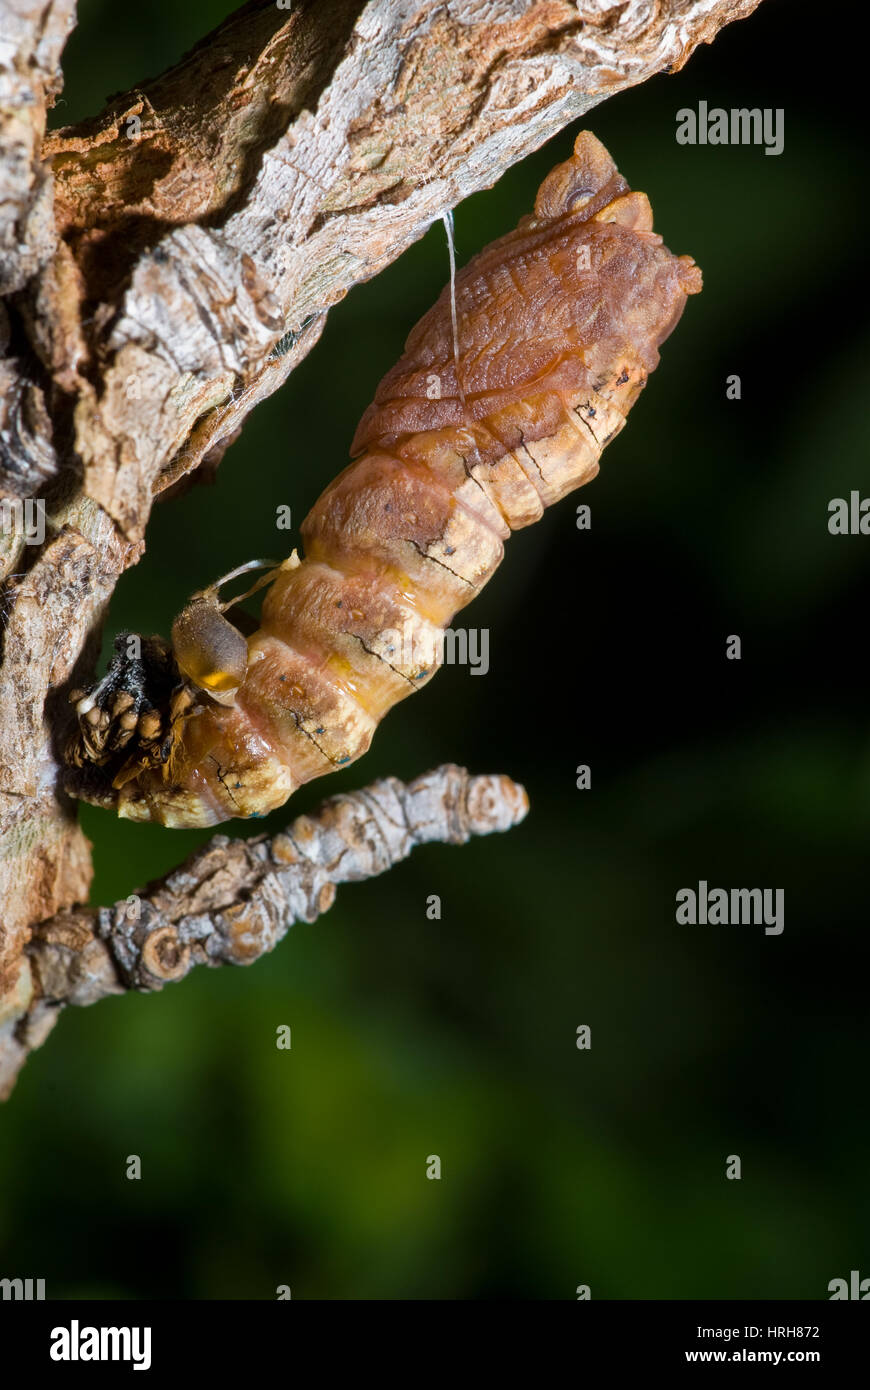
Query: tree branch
(319, 144)
(233, 901)
(204, 224)
(33, 35)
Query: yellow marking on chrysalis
(216, 680)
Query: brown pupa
(559, 325)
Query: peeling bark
(32, 36)
(203, 225)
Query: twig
(234, 900)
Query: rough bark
(203, 225)
(33, 35)
(233, 901)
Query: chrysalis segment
(559, 325)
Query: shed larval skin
(559, 325)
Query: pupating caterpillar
(559, 325)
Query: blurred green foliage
(410, 1037)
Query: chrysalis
(559, 325)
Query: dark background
(457, 1037)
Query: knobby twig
(234, 900)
